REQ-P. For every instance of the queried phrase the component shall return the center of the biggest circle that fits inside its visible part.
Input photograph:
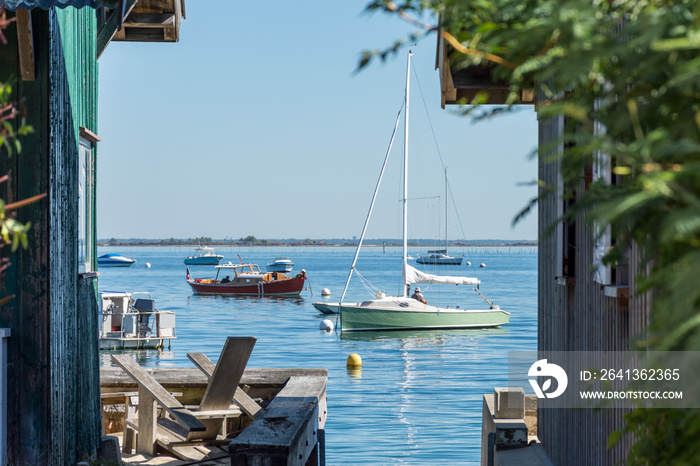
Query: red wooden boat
(247, 280)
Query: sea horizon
(387, 242)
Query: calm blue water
(418, 398)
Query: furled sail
(414, 275)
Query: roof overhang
(461, 85)
(141, 21)
(46, 4)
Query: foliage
(12, 232)
(626, 75)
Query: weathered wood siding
(53, 387)
(575, 315)
(74, 346)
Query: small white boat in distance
(131, 320)
(439, 257)
(114, 260)
(280, 264)
(204, 256)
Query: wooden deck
(288, 430)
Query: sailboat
(403, 312)
(439, 256)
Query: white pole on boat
(405, 178)
(369, 213)
(446, 209)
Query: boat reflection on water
(421, 336)
(297, 300)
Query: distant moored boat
(439, 257)
(247, 280)
(114, 260)
(204, 256)
(280, 264)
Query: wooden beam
(241, 398)
(89, 135)
(287, 433)
(25, 44)
(148, 423)
(150, 20)
(111, 26)
(155, 390)
(224, 381)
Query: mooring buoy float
(148, 265)
(326, 324)
(354, 361)
(325, 292)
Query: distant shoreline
(307, 243)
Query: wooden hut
(53, 386)
(581, 306)
(459, 84)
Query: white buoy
(326, 324)
(148, 265)
(469, 264)
(325, 292)
(482, 265)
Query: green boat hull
(408, 314)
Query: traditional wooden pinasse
(247, 280)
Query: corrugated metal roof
(46, 4)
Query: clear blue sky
(255, 123)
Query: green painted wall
(53, 364)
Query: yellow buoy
(354, 361)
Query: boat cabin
(246, 273)
(131, 320)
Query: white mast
(447, 207)
(405, 179)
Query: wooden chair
(191, 427)
(241, 398)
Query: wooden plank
(88, 134)
(203, 363)
(241, 398)
(169, 434)
(162, 396)
(148, 418)
(113, 377)
(150, 20)
(224, 382)
(287, 432)
(263, 383)
(25, 45)
(218, 413)
(228, 371)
